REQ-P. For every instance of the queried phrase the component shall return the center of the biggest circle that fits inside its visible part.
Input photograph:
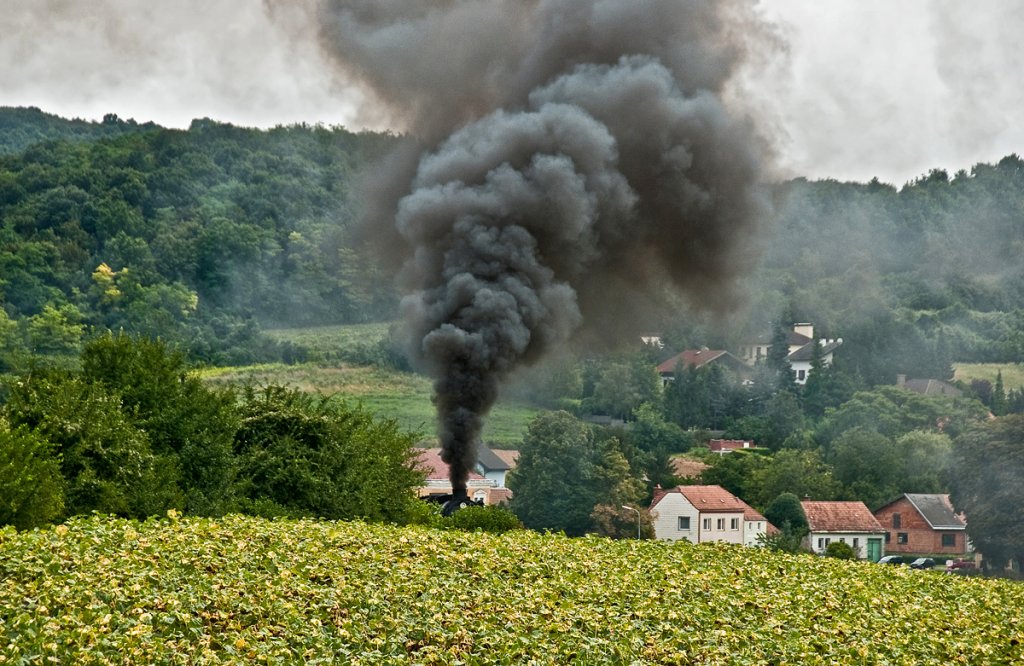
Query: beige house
(700, 514)
(846, 522)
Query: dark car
(891, 559)
(922, 563)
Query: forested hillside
(200, 237)
(207, 236)
(935, 264)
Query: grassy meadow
(1013, 373)
(101, 590)
(402, 396)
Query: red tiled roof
(435, 468)
(690, 358)
(706, 498)
(752, 514)
(840, 517)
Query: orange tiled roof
(706, 498)
(840, 517)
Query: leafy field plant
(244, 590)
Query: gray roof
(806, 353)
(490, 461)
(937, 510)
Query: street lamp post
(637, 519)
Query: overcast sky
(886, 88)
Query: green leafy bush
(31, 486)
(840, 551)
(494, 519)
(312, 456)
(107, 463)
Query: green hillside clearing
(1013, 373)
(402, 396)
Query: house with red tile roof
(700, 514)
(923, 524)
(845, 522)
(486, 483)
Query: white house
(700, 514)
(800, 360)
(845, 522)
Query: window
(821, 543)
(901, 537)
(896, 522)
(856, 542)
(734, 524)
(888, 537)
(707, 523)
(948, 540)
(842, 539)
(721, 523)
(684, 523)
(801, 375)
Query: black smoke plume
(567, 161)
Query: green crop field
(402, 396)
(244, 590)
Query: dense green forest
(202, 237)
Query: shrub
(495, 519)
(840, 551)
(316, 457)
(187, 423)
(107, 463)
(31, 486)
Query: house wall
(920, 537)
(858, 541)
(752, 530)
(721, 527)
(497, 476)
(666, 519)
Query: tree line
(135, 433)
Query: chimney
(901, 380)
(804, 329)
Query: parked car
(922, 563)
(964, 567)
(892, 559)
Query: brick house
(923, 524)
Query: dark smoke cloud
(567, 161)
